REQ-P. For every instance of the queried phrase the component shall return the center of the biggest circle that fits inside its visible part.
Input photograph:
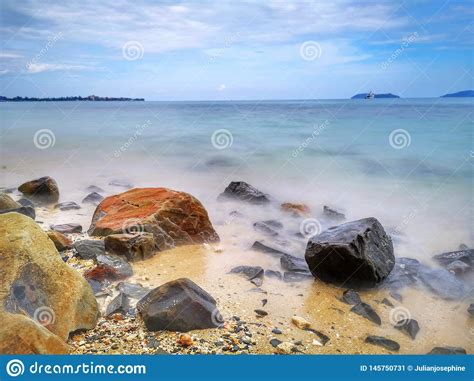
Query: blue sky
(185, 50)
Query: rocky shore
(152, 274)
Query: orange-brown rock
(44, 189)
(174, 218)
(298, 209)
(60, 240)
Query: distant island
(459, 94)
(364, 95)
(92, 98)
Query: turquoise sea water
(406, 161)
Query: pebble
(300, 322)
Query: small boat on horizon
(370, 95)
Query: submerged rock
(61, 242)
(269, 227)
(458, 267)
(25, 210)
(383, 342)
(89, 248)
(44, 300)
(94, 188)
(135, 247)
(365, 310)
(179, 305)
(442, 283)
(241, 191)
(351, 297)
(357, 252)
(67, 228)
(466, 256)
(294, 276)
(44, 189)
(262, 248)
(470, 309)
(296, 209)
(447, 351)
(273, 274)
(174, 218)
(252, 273)
(68, 205)
(333, 213)
(93, 198)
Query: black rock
(89, 248)
(470, 309)
(442, 283)
(409, 326)
(273, 274)
(447, 351)
(179, 305)
(466, 256)
(258, 246)
(25, 210)
(275, 342)
(356, 253)
(118, 303)
(68, 205)
(240, 190)
(291, 263)
(269, 227)
(351, 297)
(120, 266)
(93, 198)
(67, 228)
(404, 273)
(383, 342)
(365, 310)
(333, 214)
(252, 273)
(132, 290)
(322, 337)
(294, 276)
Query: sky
(235, 50)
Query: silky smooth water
(349, 154)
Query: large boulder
(44, 189)
(357, 253)
(42, 300)
(180, 305)
(242, 191)
(174, 218)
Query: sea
(407, 162)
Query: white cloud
(34, 68)
(9, 55)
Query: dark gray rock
(276, 331)
(92, 198)
(268, 227)
(470, 309)
(89, 248)
(118, 303)
(67, 228)
(94, 188)
(132, 290)
(291, 263)
(120, 266)
(409, 326)
(383, 342)
(447, 351)
(404, 273)
(333, 214)
(387, 302)
(458, 267)
(241, 191)
(356, 253)
(67, 205)
(121, 183)
(252, 273)
(25, 210)
(261, 313)
(275, 342)
(351, 297)
(365, 310)
(262, 248)
(26, 202)
(322, 337)
(466, 256)
(273, 274)
(179, 305)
